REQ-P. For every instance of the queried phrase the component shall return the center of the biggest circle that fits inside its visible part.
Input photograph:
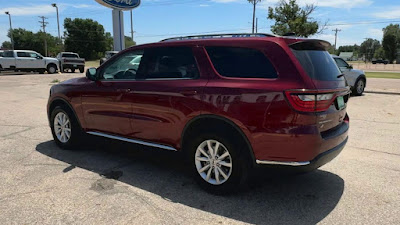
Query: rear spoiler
(310, 44)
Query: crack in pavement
(372, 150)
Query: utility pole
(336, 32)
(131, 25)
(11, 30)
(256, 25)
(254, 2)
(43, 25)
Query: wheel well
(52, 64)
(363, 77)
(61, 102)
(215, 123)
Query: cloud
(204, 5)
(29, 10)
(393, 13)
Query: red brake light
(310, 102)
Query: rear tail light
(310, 102)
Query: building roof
(346, 54)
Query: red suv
(227, 102)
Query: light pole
(58, 20)
(11, 30)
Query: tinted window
(1, 54)
(241, 62)
(124, 67)
(169, 62)
(8, 54)
(318, 64)
(23, 54)
(66, 55)
(341, 63)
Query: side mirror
(91, 74)
(350, 66)
(39, 57)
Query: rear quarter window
(241, 62)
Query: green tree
(379, 53)
(6, 45)
(85, 37)
(369, 47)
(129, 42)
(290, 17)
(391, 41)
(28, 40)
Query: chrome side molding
(132, 141)
(282, 163)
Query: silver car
(355, 78)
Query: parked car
(26, 60)
(380, 61)
(228, 103)
(71, 61)
(108, 55)
(355, 78)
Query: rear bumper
(315, 163)
(72, 65)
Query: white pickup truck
(26, 60)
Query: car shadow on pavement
(270, 199)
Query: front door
(105, 103)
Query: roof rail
(210, 36)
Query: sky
(155, 20)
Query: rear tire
(82, 69)
(65, 128)
(72, 70)
(225, 171)
(359, 87)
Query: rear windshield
(67, 55)
(317, 62)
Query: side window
(8, 54)
(241, 62)
(124, 67)
(341, 63)
(22, 54)
(169, 63)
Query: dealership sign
(120, 4)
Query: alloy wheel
(62, 127)
(213, 162)
(360, 86)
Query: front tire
(359, 87)
(65, 128)
(51, 69)
(216, 163)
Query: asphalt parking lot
(109, 182)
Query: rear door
(166, 93)
(24, 61)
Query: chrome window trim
(282, 163)
(156, 79)
(132, 140)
